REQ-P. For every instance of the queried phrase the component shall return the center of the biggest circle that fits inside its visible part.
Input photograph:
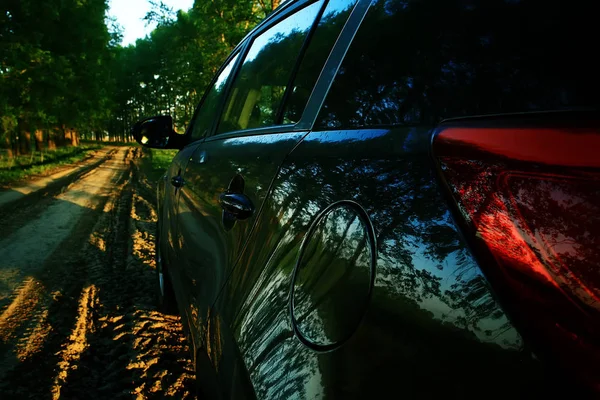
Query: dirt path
(77, 314)
(19, 191)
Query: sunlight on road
(78, 339)
(19, 191)
(77, 308)
(23, 252)
(25, 300)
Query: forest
(65, 77)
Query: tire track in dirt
(89, 327)
(33, 322)
(33, 204)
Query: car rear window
(418, 62)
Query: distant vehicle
(391, 199)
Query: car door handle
(177, 181)
(236, 204)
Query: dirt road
(77, 300)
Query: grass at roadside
(20, 167)
(155, 162)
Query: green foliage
(167, 72)
(161, 159)
(63, 73)
(53, 68)
(55, 56)
(155, 162)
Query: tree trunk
(71, 137)
(61, 136)
(74, 138)
(39, 140)
(25, 142)
(8, 145)
(51, 139)
(66, 137)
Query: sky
(130, 14)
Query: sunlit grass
(39, 163)
(161, 159)
(155, 162)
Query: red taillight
(530, 197)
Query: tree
(53, 77)
(64, 74)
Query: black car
(392, 199)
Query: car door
(174, 179)
(230, 173)
(169, 195)
(234, 380)
(356, 282)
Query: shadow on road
(83, 324)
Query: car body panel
(168, 207)
(207, 248)
(351, 280)
(432, 319)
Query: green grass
(38, 163)
(155, 162)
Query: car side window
(206, 113)
(328, 29)
(259, 88)
(418, 62)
